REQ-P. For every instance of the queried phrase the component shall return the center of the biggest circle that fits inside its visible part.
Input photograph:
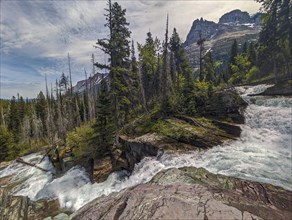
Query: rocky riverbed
(154, 176)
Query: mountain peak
(236, 16)
(232, 21)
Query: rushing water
(262, 153)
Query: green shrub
(6, 143)
(80, 141)
(252, 74)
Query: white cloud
(48, 30)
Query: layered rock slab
(191, 193)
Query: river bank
(261, 154)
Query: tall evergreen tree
(148, 60)
(175, 47)
(200, 42)
(252, 53)
(21, 109)
(134, 81)
(275, 41)
(117, 47)
(41, 111)
(13, 121)
(209, 68)
(232, 60)
(244, 48)
(164, 82)
(104, 126)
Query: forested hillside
(158, 80)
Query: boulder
(226, 104)
(280, 89)
(192, 193)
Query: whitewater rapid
(262, 153)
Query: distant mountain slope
(219, 36)
(91, 83)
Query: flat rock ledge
(192, 193)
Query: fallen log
(19, 160)
(45, 155)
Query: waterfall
(262, 153)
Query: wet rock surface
(281, 89)
(102, 169)
(192, 193)
(226, 105)
(181, 133)
(188, 135)
(21, 207)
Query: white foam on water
(32, 179)
(262, 153)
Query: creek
(262, 153)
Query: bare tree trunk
(78, 119)
(70, 76)
(61, 127)
(49, 115)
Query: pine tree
(21, 109)
(233, 54)
(117, 47)
(252, 53)
(164, 83)
(13, 121)
(175, 47)
(200, 42)
(148, 60)
(41, 111)
(184, 78)
(244, 48)
(104, 126)
(2, 118)
(209, 68)
(6, 142)
(275, 41)
(134, 82)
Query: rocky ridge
(91, 83)
(219, 36)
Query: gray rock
(220, 36)
(207, 29)
(174, 201)
(280, 89)
(236, 16)
(61, 216)
(192, 193)
(226, 104)
(21, 207)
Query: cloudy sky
(37, 35)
